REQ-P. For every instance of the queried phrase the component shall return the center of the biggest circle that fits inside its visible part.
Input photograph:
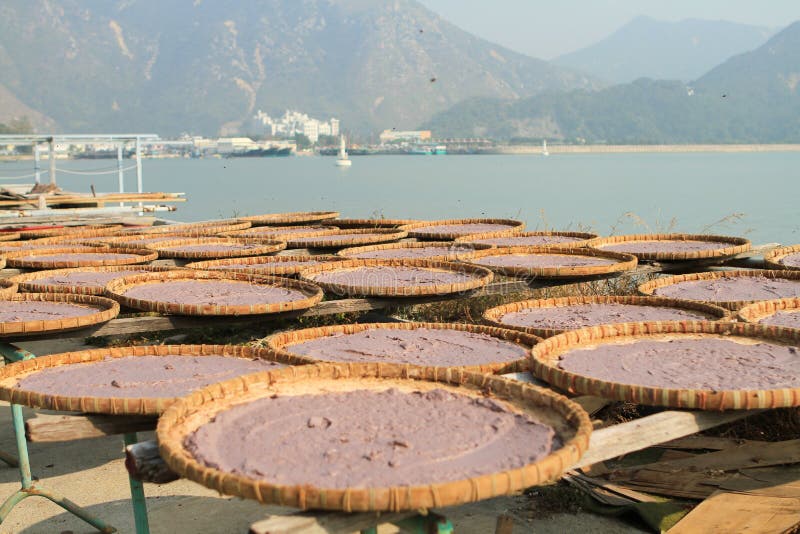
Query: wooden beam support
(60, 427)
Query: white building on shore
(293, 123)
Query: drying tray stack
(445, 251)
(455, 228)
(297, 217)
(494, 316)
(345, 238)
(598, 263)
(723, 247)
(197, 229)
(783, 313)
(11, 374)
(267, 265)
(774, 259)
(32, 282)
(468, 277)
(201, 248)
(281, 344)
(570, 422)
(530, 239)
(789, 277)
(67, 257)
(116, 289)
(546, 356)
(99, 310)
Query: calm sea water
(756, 195)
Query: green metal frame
(420, 524)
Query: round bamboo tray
(547, 354)
(281, 343)
(105, 310)
(623, 262)
(418, 230)
(11, 374)
(650, 288)
(570, 422)
(278, 232)
(7, 288)
(37, 258)
(345, 238)
(448, 250)
(773, 258)
(268, 265)
(369, 223)
(31, 282)
(493, 316)
(172, 249)
(580, 239)
(728, 246)
(139, 241)
(757, 312)
(479, 278)
(72, 240)
(9, 236)
(116, 289)
(198, 229)
(298, 217)
(74, 231)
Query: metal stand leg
(137, 495)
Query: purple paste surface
(79, 256)
(141, 376)
(787, 318)
(664, 245)
(580, 315)
(421, 346)
(463, 229)
(261, 231)
(342, 237)
(413, 252)
(384, 276)
(732, 289)
(213, 247)
(791, 260)
(265, 265)
(84, 279)
(699, 363)
(365, 439)
(217, 292)
(527, 240)
(13, 311)
(542, 260)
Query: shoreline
(623, 149)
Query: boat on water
(272, 151)
(343, 160)
(544, 148)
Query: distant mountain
(750, 98)
(649, 48)
(207, 66)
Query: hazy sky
(548, 29)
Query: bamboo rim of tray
(625, 262)
(282, 342)
(493, 316)
(12, 373)
(2, 262)
(128, 241)
(418, 229)
(276, 270)
(185, 416)
(268, 219)
(481, 277)
(39, 255)
(196, 229)
(370, 223)
(73, 231)
(276, 232)
(105, 310)
(649, 288)
(758, 311)
(772, 259)
(71, 240)
(446, 255)
(28, 282)
(116, 289)
(583, 238)
(328, 239)
(546, 354)
(9, 236)
(166, 249)
(7, 287)
(729, 246)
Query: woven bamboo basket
(116, 289)
(37, 258)
(104, 310)
(281, 343)
(172, 248)
(570, 422)
(624, 262)
(298, 217)
(346, 238)
(449, 251)
(581, 239)
(772, 259)
(728, 246)
(74, 231)
(494, 316)
(278, 265)
(545, 357)
(31, 282)
(198, 229)
(7, 287)
(649, 288)
(418, 231)
(11, 374)
(480, 277)
(278, 232)
(139, 241)
(9, 236)
(72, 240)
(758, 311)
(369, 223)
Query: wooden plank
(711, 443)
(50, 427)
(323, 523)
(737, 512)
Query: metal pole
(139, 168)
(137, 494)
(52, 142)
(36, 168)
(120, 172)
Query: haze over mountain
(207, 66)
(662, 50)
(750, 98)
